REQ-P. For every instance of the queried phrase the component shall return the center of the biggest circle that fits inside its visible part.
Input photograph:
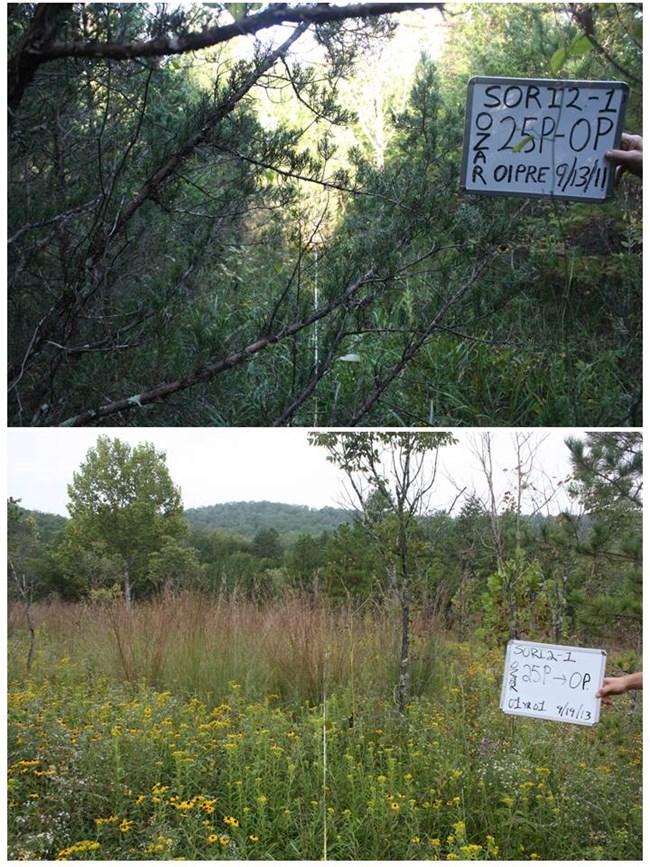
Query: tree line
(209, 227)
(488, 568)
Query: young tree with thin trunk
(391, 477)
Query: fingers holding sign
(619, 685)
(629, 156)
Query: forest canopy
(249, 214)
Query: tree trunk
(127, 589)
(559, 607)
(25, 592)
(405, 601)
(404, 667)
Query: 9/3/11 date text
(574, 175)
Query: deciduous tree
(398, 471)
(124, 498)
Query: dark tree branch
(36, 47)
(317, 376)
(77, 296)
(29, 54)
(583, 16)
(153, 184)
(210, 371)
(276, 14)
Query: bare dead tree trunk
(26, 596)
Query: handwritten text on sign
(542, 137)
(554, 682)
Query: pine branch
(207, 373)
(274, 15)
(288, 413)
(37, 48)
(322, 182)
(431, 328)
(76, 298)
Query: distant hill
(246, 518)
(49, 526)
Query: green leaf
(557, 60)
(517, 148)
(581, 45)
(241, 10)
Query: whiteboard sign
(542, 137)
(553, 682)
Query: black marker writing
(552, 682)
(542, 139)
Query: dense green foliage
(277, 236)
(128, 742)
(246, 518)
(124, 508)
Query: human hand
(629, 156)
(612, 686)
(619, 685)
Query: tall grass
(217, 728)
(297, 646)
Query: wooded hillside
(246, 518)
(220, 222)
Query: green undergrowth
(109, 769)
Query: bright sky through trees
(216, 466)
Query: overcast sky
(219, 465)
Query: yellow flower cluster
(162, 843)
(77, 848)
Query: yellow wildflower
(81, 846)
(492, 848)
(108, 821)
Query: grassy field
(203, 729)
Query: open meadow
(202, 728)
